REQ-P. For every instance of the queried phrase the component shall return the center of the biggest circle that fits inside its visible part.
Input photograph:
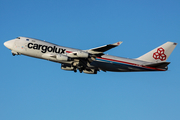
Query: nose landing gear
(14, 53)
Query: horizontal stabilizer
(159, 65)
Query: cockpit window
(18, 37)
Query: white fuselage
(45, 50)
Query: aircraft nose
(9, 44)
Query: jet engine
(67, 67)
(92, 71)
(60, 57)
(79, 54)
(56, 57)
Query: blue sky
(34, 89)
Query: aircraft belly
(108, 66)
(117, 67)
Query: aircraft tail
(159, 54)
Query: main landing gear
(80, 70)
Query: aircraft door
(19, 46)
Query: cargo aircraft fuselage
(92, 60)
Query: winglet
(118, 43)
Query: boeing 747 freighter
(93, 60)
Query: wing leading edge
(101, 49)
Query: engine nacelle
(67, 67)
(60, 57)
(82, 54)
(79, 54)
(90, 71)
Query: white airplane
(92, 60)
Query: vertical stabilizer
(159, 54)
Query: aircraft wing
(101, 49)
